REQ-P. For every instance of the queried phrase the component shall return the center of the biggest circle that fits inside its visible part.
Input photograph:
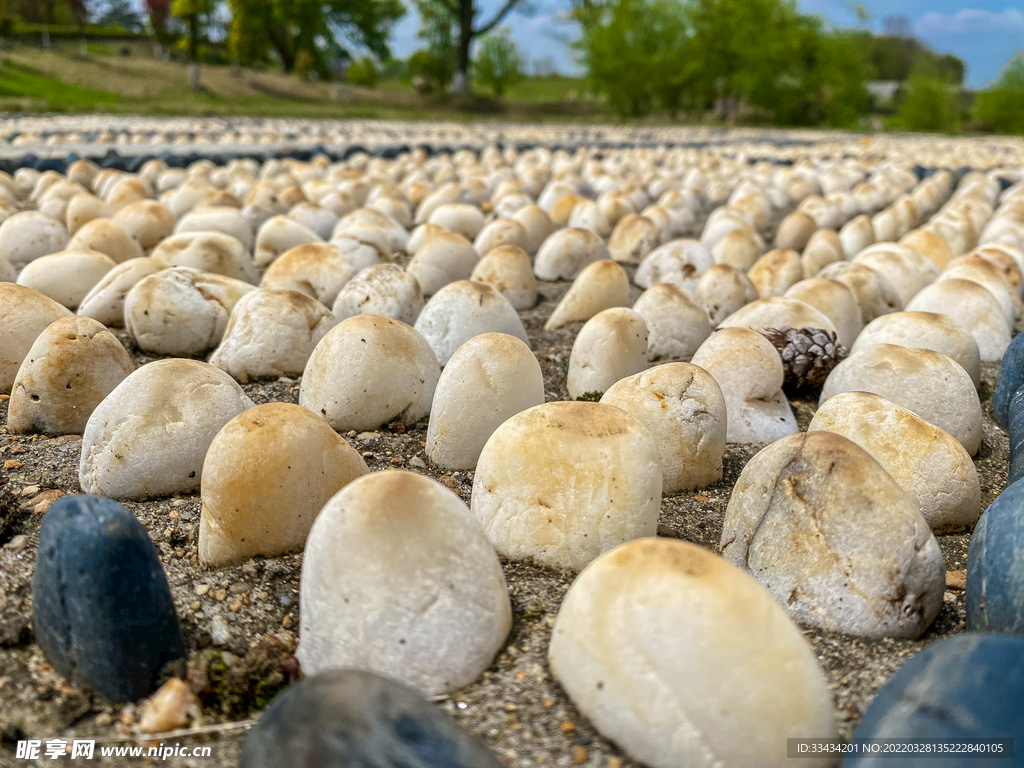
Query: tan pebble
(220, 595)
(579, 754)
(286, 622)
(30, 490)
(13, 464)
(956, 580)
(202, 589)
(194, 606)
(43, 501)
(169, 708)
(235, 606)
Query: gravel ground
(241, 622)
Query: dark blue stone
(1011, 377)
(356, 719)
(102, 608)
(995, 567)
(1016, 434)
(965, 687)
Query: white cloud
(968, 21)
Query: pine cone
(808, 356)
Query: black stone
(1016, 430)
(1011, 377)
(102, 609)
(356, 719)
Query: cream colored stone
(507, 268)
(776, 271)
(82, 209)
(489, 379)
(209, 251)
(218, 218)
(148, 437)
(442, 259)
(610, 346)
(105, 301)
(398, 578)
(908, 271)
(601, 285)
(990, 278)
(684, 411)
(278, 235)
(676, 324)
(30, 234)
(266, 476)
(498, 233)
(565, 253)
(874, 293)
(835, 301)
(856, 235)
(72, 365)
(462, 218)
(682, 659)
(932, 467)
(316, 218)
(24, 314)
(925, 330)
(738, 248)
(147, 222)
(66, 276)
(749, 371)
(931, 245)
(722, 290)
(835, 539)
(181, 311)
(926, 383)
(318, 270)
(538, 226)
(271, 333)
(383, 289)
(563, 482)
(974, 310)
(370, 370)
(106, 236)
(778, 312)
(822, 249)
(680, 262)
(795, 231)
(462, 310)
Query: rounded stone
(147, 222)
(148, 437)
(399, 579)
(795, 231)
(973, 309)
(678, 261)
(266, 476)
(270, 334)
(676, 324)
(217, 218)
(102, 610)
(24, 314)
(105, 301)
(875, 294)
(776, 271)
(383, 289)
(507, 268)
(684, 411)
(28, 235)
(600, 286)
(489, 379)
(562, 482)
(683, 660)
(462, 310)
(611, 346)
(106, 236)
(353, 717)
(749, 371)
(498, 233)
(1011, 378)
(633, 238)
(370, 370)
(926, 383)
(924, 330)
(72, 365)
(67, 276)
(181, 311)
(778, 312)
(209, 251)
(908, 271)
(565, 253)
(995, 566)
(835, 540)
(933, 468)
(443, 259)
(960, 688)
(319, 270)
(722, 290)
(279, 234)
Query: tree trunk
(461, 82)
(193, 38)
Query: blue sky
(985, 33)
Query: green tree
(929, 104)
(363, 71)
(1000, 107)
(323, 31)
(193, 13)
(454, 23)
(498, 63)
